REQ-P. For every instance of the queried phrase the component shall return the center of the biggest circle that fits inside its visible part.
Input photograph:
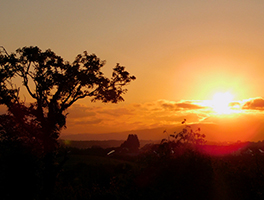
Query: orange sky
(180, 51)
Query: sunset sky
(197, 60)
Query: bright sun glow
(220, 102)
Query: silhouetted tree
(188, 136)
(177, 162)
(178, 142)
(53, 86)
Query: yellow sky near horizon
(179, 50)
(244, 121)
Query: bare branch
(28, 89)
(73, 101)
(4, 50)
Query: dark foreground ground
(92, 174)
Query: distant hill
(97, 143)
(213, 132)
(91, 143)
(145, 134)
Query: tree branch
(74, 100)
(28, 89)
(25, 77)
(4, 50)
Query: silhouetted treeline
(91, 174)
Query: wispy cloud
(88, 122)
(108, 118)
(81, 111)
(116, 112)
(235, 104)
(83, 118)
(179, 106)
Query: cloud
(109, 118)
(88, 122)
(81, 111)
(254, 104)
(234, 104)
(179, 106)
(189, 106)
(122, 117)
(116, 112)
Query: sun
(221, 102)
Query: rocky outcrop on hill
(130, 147)
(131, 144)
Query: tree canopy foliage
(179, 142)
(55, 84)
(188, 136)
